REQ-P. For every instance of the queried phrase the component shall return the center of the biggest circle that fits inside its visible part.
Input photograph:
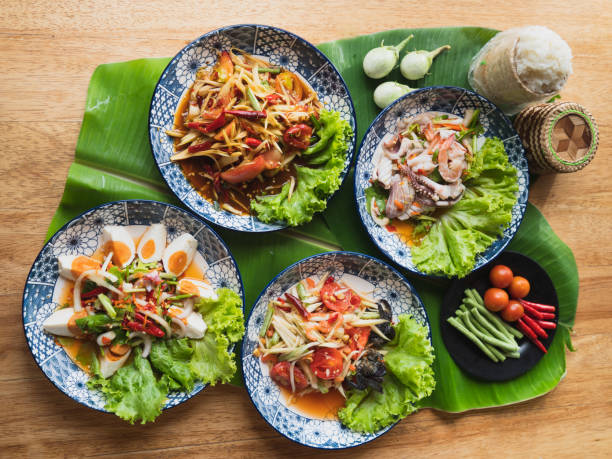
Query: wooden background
(48, 51)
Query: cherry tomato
(327, 363)
(338, 298)
(245, 171)
(298, 136)
(500, 276)
(513, 312)
(358, 337)
(519, 287)
(496, 299)
(281, 374)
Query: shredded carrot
(310, 282)
(453, 127)
(398, 204)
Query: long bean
(500, 355)
(513, 355)
(499, 323)
(459, 326)
(484, 337)
(490, 327)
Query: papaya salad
(251, 137)
(444, 188)
(142, 321)
(327, 334)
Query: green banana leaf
(113, 161)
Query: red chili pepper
(538, 306)
(154, 331)
(532, 312)
(530, 334)
(135, 326)
(298, 304)
(274, 98)
(329, 280)
(209, 127)
(298, 136)
(547, 325)
(139, 317)
(251, 142)
(547, 316)
(535, 327)
(199, 147)
(94, 292)
(249, 114)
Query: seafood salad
(422, 166)
(247, 129)
(141, 307)
(443, 189)
(327, 335)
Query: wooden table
(48, 52)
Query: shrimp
(451, 160)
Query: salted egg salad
(141, 323)
(326, 334)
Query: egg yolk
(121, 252)
(82, 263)
(148, 249)
(187, 286)
(72, 326)
(177, 262)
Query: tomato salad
(324, 334)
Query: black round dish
(465, 353)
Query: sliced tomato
(298, 136)
(338, 298)
(281, 374)
(245, 171)
(358, 337)
(327, 363)
(291, 83)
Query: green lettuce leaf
(409, 378)
(380, 196)
(223, 316)
(172, 357)
(133, 393)
(313, 185)
(211, 362)
(471, 225)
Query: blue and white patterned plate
(82, 236)
(265, 394)
(445, 99)
(280, 48)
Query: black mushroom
(385, 312)
(369, 372)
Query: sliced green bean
(267, 320)
(459, 326)
(253, 99)
(268, 70)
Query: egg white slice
(152, 243)
(110, 363)
(72, 266)
(62, 322)
(117, 239)
(197, 287)
(179, 254)
(195, 327)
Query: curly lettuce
(313, 184)
(138, 390)
(479, 218)
(409, 378)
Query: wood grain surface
(48, 51)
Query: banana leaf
(113, 161)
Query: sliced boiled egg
(63, 322)
(195, 327)
(196, 287)
(117, 239)
(179, 253)
(110, 363)
(152, 243)
(72, 266)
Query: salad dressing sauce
(79, 351)
(404, 230)
(315, 404)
